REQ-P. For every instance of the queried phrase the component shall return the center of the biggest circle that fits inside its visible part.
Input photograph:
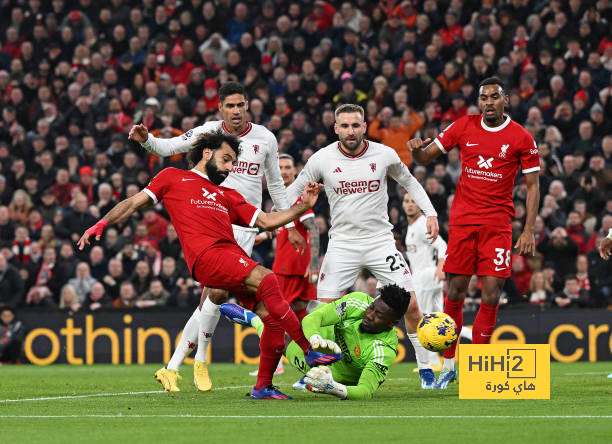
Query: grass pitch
(105, 403)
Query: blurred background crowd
(76, 75)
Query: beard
(351, 145)
(213, 173)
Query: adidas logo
(337, 170)
(485, 164)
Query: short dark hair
(211, 141)
(492, 81)
(396, 298)
(229, 88)
(570, 277)
(288, 157)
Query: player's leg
(428, 303)
(381, 257)
(209, 317)
(460, 264)
(484, 324)
(494, 267)
(340, 268)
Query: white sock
(421, 353)
(466, 333)
(187, 342)
(209, 316)
(449, 364)
(434, 359)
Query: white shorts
(245, 237)
(430, 301)
(345, 259)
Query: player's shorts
(296, 287)
(482, 249)
(226, 266)
(345, 259)
(430, 301)
(245, 237)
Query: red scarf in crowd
(23, 255)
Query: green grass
(576, 389)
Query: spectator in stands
(97, 298)
(69, 300)
(113, 279)
(12, 334)
(156, 296)
(127, 296)
(540, 290)
(141, 279)
(11, 284)
(572, 295)
(82, 282)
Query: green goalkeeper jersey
(367, 357)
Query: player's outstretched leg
(272, 345)
(168, 376)
(411, 319)
(240, 315)
(457, 288)
(209, 317)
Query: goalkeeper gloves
(319, 343)
(320, 380)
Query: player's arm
(308, 174)
(118, 214)
(313, 270)
(161, 147)
(320, 379)
(526, 241)
(606, 245)
(440, 247)
(276, 186)
(271, 221)
(323, 316)
(401, 174)
(278, 192)
(424, 151)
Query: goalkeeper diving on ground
(361, 327)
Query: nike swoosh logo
(486, 336)
(471, 144)
(187, 179)
(499, 269)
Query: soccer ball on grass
(437, 331)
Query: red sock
(484, 324)
(301, 313)
(271, 344)
(455, 311)
(269, 292)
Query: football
(437, 331)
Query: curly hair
(211, 141)
(396, 298)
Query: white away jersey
(423, 256)
(356, 188)
(259, 155)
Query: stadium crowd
(76, 75)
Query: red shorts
(226, 266)
(481, 249)
(296, 287)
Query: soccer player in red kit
(492, 147)
(203, 212)
(297, 271)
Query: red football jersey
(202, 212)
(286, 260)
(490, 158)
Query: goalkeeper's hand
(323, 345)
(320, 380)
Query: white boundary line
(93, 395)
(187, 416)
